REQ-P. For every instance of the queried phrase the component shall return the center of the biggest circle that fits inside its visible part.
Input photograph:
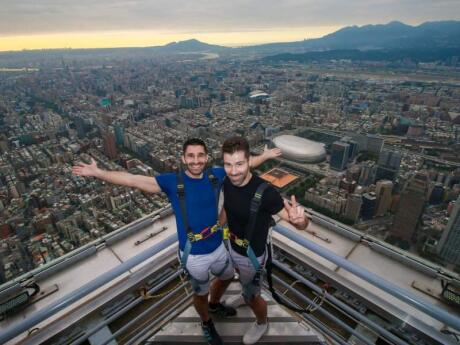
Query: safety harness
(202, 235)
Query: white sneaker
(235, 301)
(254, 333)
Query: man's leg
(217, 289)
(223, 269)
(259, 307)
(252, 296)
(201, 305)
(260, 327)
(198, 267)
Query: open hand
(83, 169)
(272, 153)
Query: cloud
(60, 16)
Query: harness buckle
(215, 228)
(180, 190)
(245, 243)
(191, 236)
(198, 237)
(225, 232)
(256, 279)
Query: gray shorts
(199, 266)
(246, 269)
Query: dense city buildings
(374, 149)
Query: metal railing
(402, 294)
(335, 301)
(84, 290)
(78, 254)
(364, 274)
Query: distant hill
(394, 35)
(191, 45)
(395, 41)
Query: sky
(38, 24)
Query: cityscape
(370, 143)
(392, 165)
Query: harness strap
(181, 197)
(185, 254)
(205, 233)
(215, 187)
(254, 209)
(249, 231)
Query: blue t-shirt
(200, 204)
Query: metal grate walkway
(284, 328)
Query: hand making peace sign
(296, 212)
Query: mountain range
(392, 36)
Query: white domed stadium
(300, 149)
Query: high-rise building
(353, 152)
(449, 245)
(353, 206)
(353, 172)
(339, 155)
(360, 139)
(411, 205)
(110, 148)
(368, 172)
(80, 126)
(369, 205)
(383, 192)
(348, 185)
(119, 134)
(388, 165)
(437, 194)
(374, 143)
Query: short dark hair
(193, 142)
(234, 144)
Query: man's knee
(201, 298)
(200, 287)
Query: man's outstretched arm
(145, 183)
(255, 161)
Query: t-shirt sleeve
(272, 201)
(166, 181)
(219, 173)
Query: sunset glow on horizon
(118, 39)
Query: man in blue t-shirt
(207, 254)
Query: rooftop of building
(403, 270)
